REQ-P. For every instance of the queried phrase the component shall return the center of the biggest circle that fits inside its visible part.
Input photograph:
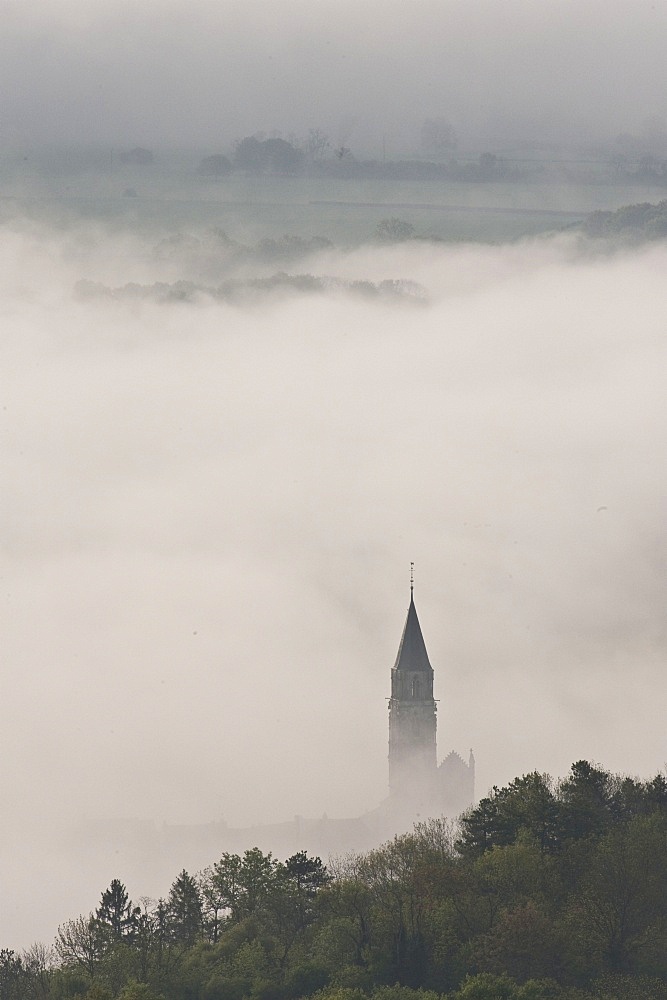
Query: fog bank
(210, 513)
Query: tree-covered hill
(640, 222)
(546, 890)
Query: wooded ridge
(553, 889)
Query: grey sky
(207, 73)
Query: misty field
(171, 197)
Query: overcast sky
(166, 72)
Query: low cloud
(210, 512)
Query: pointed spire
(412, 653)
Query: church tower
(412, 715)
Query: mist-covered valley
(291, 297)
(212, 501)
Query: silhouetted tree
(216, 165)
(275, 156)
(116, 911)
(12, 975)
(316, 144)
(394, 230)
(586, 797)
(79, 943)
(184, 908)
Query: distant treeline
(315, 155)
(278, 157)
(547, 890)
(253, 290)
(635, 222)
(624, 159)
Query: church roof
(412, 653)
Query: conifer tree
(117, 913)
(185, 910)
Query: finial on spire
(412, 578)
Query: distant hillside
(546, 890)
(636, 222)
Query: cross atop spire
(412, 578)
